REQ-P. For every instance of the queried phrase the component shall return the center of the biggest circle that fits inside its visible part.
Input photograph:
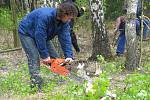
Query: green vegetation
(2, 63)
(137, 87)
(112, 67)
(113, 8)
(146, 64)
(16, 83)
(5, 18)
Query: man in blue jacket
(38, 28)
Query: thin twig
(141, 32)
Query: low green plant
(137, 87)
(5, 18)
(112, 67)
(2, 63)
(15, 82)
(145, 64)
(100, 87)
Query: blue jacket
(41, 25)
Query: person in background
(146, 26)
(146, 20)
(120, 26)
(37, 29)
(73, 34)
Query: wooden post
(14, 19)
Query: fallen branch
(10, 50)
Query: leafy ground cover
(14, 83)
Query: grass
(2, 63)
(5, 18)
(137, 87)
(16, 84)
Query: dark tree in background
(14, 19)
(113, 8)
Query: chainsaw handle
(55, 66)
(49, 62)
(63, 64)
(46, 63)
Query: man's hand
(68, 60)
(115, 31)
(46, 61)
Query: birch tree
(101, 44)
(132, 58)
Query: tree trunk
(32, 5)
(132, 60)
(14, 19)
(101, 44)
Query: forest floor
(13, 61)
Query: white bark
(100, 39)
(131, 37)
(97, 6)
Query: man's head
(66, 11)
(124, 11)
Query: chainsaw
(60, 67)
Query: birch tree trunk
(101, 44)
(132, 59)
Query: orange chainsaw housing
(57, 68)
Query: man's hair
(124, 11)
(70, 0)
(68, 9)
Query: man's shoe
(145, 39)
(32, 86)
(119, 54)
(40, 88)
